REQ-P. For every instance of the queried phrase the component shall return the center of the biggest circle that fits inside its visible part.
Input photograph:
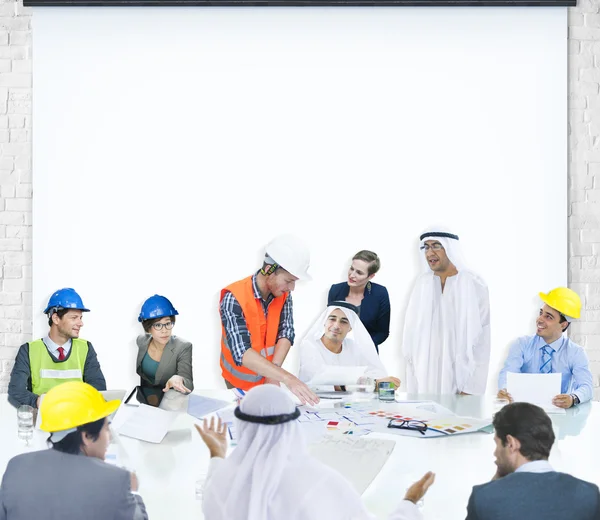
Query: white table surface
(168, 471)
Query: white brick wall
(15, 182)
(584, 174)
(16, 189)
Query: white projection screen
(171, 144)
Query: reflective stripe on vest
(252, 377)
(263, 333)
(75, 373)
(47, 373)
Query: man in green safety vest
(59, 357)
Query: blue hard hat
(65, 298)
(157, 307)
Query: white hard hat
(291, 254)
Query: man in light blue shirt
(548, 351)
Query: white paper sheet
(145, 423)
(430, 406)
(538, 389)
(337, 375)
(358, 459)
(199, 406)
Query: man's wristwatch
(575, 399)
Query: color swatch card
(421, 420)
(437, 425)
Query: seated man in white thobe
(271, 475)
(338, 337)
(447, 325)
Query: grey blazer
(53, 485)
(176, 360)
(547, 496)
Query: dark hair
(562, 320)
(60, 313)
(147, 324)
(530, 425)
(371, 258)
(73, 442)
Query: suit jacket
(547, 496)
(374, 309)
(52, 485)
(176, 360)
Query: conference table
(168, 471)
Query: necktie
(546, 366)
(61, 353)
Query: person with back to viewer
(271, 475)
(525, 485)
(71, 480)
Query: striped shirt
(234, 323)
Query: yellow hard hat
(564, 300)
(73, 404)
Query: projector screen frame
(302, 3)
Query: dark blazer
(374, 309)
(176, 360)
(547, 496)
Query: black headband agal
(440, 234)
(266, 419)
(344, 304)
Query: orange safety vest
(263, 333)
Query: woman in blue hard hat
(164, 360)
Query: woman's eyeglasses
(418, 426)
(159, 326)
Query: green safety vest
(47, 373)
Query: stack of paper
(200, 407)
(538, 389)
(146, 423)
(337, 375)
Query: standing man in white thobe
(447, 325)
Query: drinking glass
(25, 415)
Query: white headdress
(358, 340)
(451, 244)
(259, 460)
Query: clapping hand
(214, 436)
(417, 491)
